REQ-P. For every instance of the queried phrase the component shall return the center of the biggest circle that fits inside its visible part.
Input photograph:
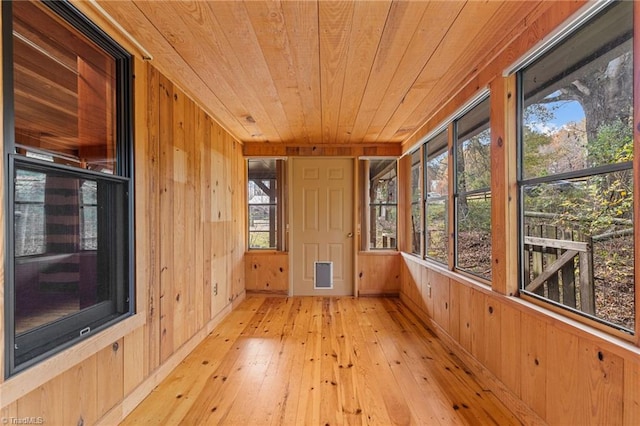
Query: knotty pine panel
(492, 334)
(631, 394)
(426, 300)
(267, 272)
(510, 341)
(440, 291)
(534, 363)
(379, 273)
(477, 308)
(454, 309)
(602, 383)
(464, 294)
(202, 182)
(44, 402)
(110, 377)
(151, 216)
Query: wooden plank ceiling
(323, 72)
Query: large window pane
(473, 191)
(68, 180)
(437, 193)
(576, 171)
(416, 199)
(383, 199)
(63, 76)
(55, 276)
(263, 196)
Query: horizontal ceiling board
(368, 25)
(463, 68)
(335, 21)
(455, 44)
(433, 27)
(322, 72)
(133, 19)
(404, 18)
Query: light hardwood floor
(321, 361)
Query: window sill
(382, 252)
(24, 382)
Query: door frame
(354, 218)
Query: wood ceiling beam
(259, 149)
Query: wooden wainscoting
(266, 272)
(323, 360)
(378, 273)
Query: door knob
(350, 235)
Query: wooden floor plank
(319, 361)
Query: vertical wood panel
(466, 315)
(492, 334)
(534, 363)
(631, 401)
(199, 200)
(80, 395)
(110, 377)
(454, 310)
(426, 303)
(9, 411)
(153, 196)
(602, 382)
(44, 402)
(239, 220)
(510, 348)
(190, 285)
(180, 155)
(133, 349)
(206, 204)
(563, 379)
(378, 273)
(166, 217)
(267, 272)
(477, 307)
(440, 291)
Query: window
(383, 204)
(576, 175)
(70, 255)
(416, 197)
(436, 189)
(473, 191)
(264, 193)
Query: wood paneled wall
(378, 273)
(267, 272)
(190, 237)
(544, 366)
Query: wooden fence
(558, 264)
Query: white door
(322, 226)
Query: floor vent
(323, 275)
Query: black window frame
(373, 205)
(457, 192)
(84, 320)
(564, 177)
(416, 249)
(278, 206)
(443, 199)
